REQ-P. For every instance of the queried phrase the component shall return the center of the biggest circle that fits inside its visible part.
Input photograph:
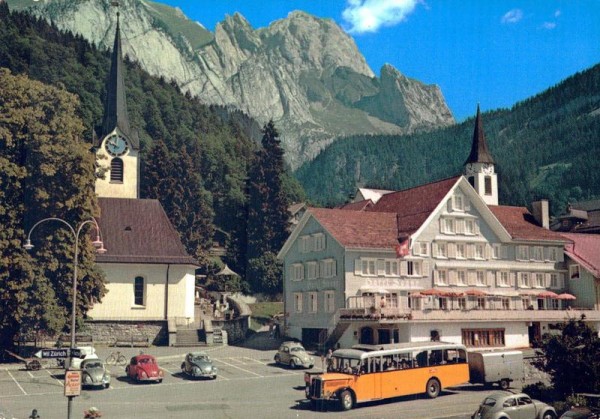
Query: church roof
(115, 104)
(138, 231)
(357, 206)
(479, 148)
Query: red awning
(547, 294)
(475, 293)
(566, 296)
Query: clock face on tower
(469, 168)
(116, 145)
(488, 169)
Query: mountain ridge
(299, 71)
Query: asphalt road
(249, 385)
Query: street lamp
(99, 245)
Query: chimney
(541, 213)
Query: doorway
(366, 336)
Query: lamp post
(99, 245)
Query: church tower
(117, 146)
(480, 167)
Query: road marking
(30, 374)
(239, 368)
(164, 369)
(60, 383)
(16, 382)
(255, 360)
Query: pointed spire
(115, 106)
(479, 149)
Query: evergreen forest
(544, 147)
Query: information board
(72, 383)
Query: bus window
(421, 359)
(435, 357)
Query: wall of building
(111, 332)
(308, 318)
(118, 303)
(126, 189)
(583, 287)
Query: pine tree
(268, 216)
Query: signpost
(58, 353)
(72, 383)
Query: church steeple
(115, 105)
(117, 145)
(479, 148)
(480, 167)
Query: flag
(402, 249)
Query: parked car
(293, 354)
(580, 413)
(505, 405)
(87, 352)
(198, 365)
(144, 368)
(94, 373)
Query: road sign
(75, 353)
(52, 353)
(72, 383)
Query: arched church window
(116, 170)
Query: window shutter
(511, 278)
(452, 250)
(460, 226)
(357, 266)
(324, 238)
(476, 227)
(380, 267)
(498, 278)
(321, 269)
(442, 225)
(546, 253)
(452, 278)
(490, 278)
(489, 251)
(403, 268)
(561, 255)
(547, 280)
(470, 251)
(334, 267)
(436, 277)
(434, 249)
(425, 268)
(503, 252)
(471, 277)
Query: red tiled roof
(414, 205)
(584, 249)
(138, 231)
(357, 206)
(359, 228)
(521, 225)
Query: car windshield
(198, 358)
(146, 361)
(489, 402)
(296, 349)
(92, 365)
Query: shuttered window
(116, 170)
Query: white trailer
(493, 367)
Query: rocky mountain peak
(302, 71)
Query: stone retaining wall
(108, 331)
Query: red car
(144, 368)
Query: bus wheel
(504, 384)
(346, 401)
(433, 388)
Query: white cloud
(512, 16)
(557, 13)
(369, 15)
(549, 25)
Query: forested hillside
(545, 147)
(212, 144)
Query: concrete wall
(107, 332)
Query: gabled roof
(115, 104)
(585, 250)
(357, 206)
(373, 194)
(415, 205)
(479, 148)
(521, 225)
(138, 231)
(359, 229)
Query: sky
(492, 52)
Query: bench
(132, 341)
(65, 340)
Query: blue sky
(492, 52)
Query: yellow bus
(376, 372)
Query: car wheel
(106, 385)
(433, 388)
(504, 384)
(346, 401)
(159, 381)
(549, 415)
(292, 364)
(277, 359)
